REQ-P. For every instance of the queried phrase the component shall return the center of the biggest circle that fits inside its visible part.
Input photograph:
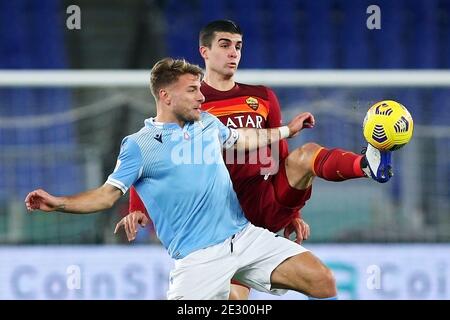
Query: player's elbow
(108, 203)
(111, 200)
(109, 196)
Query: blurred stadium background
(65, 138)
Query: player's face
(225, 53)
(186, 98)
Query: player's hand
(41, 200)
(301, 229)
(299, 122)
(131, 222)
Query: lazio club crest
(252, 103)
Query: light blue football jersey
(180, 175)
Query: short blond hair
(168, 70)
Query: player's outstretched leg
(311, 160)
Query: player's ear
(164, 96)
(203, 52)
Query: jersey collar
(150, 122)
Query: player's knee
(305, 156)
(310, 148)
(323, 285)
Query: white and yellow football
(388, 125)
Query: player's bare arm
(90, 201)
(250, 139)
(130, 223)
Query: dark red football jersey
(247, 106)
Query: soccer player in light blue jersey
(175, 162)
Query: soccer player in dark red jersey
(271, 193)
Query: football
(388, 125)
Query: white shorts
(249, 257)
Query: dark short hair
(168, 70)
(207, 33)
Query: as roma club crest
(252, 103)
